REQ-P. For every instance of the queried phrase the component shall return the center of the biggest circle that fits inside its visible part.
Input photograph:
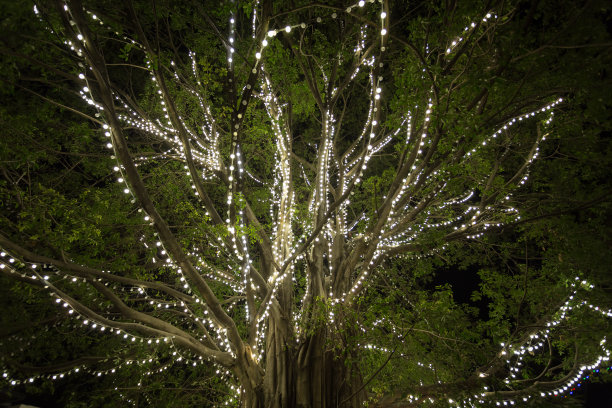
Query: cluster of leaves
(56, 189)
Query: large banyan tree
(278, 185)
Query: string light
(291, 237)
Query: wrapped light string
(456, 42)
(287, 29)
(477, 218)
(457, 213)
(147, 127)
(147, 365)
(150, 127)
(506, 126)
(102, 327)
(534, 343)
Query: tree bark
(311, 374)
(279, 381)
(323, 379)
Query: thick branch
(97, 64)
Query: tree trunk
(279, 379)
(309, 375)
(323, 379)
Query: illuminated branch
(97, 64)
(84, 271)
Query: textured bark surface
(279, 382)
(310, 375)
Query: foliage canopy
(266, 204)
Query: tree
(290, 180)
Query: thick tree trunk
(279, 379)
(253, 399)
(311, 375)
(250, 376)
(323, 379)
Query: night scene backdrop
(275, 203)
